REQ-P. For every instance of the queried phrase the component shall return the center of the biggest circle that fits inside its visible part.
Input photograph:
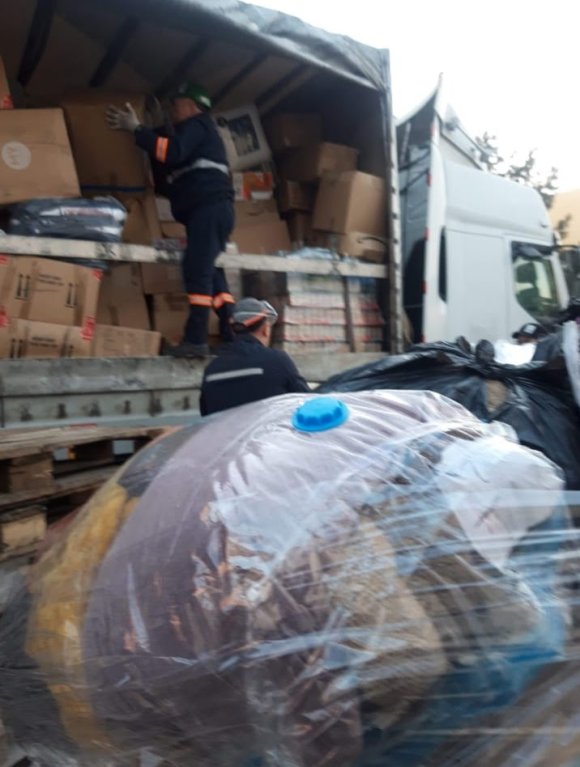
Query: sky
(510, 68)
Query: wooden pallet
(45, 474)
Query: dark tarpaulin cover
(285, 35)
(537, 400)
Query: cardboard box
(64, 294)
(170, 315)
(44, 340)
(110, 341)
(300, 228)
(289, 131)
(310, 163)
(162, 278)
(355, 244)
(253, 186)
(142, 225)
(294, 195)
(250, 213)
(77, 343)
(106, 160)
(5, 95)
(35, 156)
(121, 299)
(243, 137)
(40, 340)
(15, 286)
(12, 338)
(45, 290)
(268, 237)
(351, 202)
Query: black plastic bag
(535, 399)
(100, 220)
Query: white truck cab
(478, 250)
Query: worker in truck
(248, 370)
(201, 195)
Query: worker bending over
(248, 370)
(201, 196)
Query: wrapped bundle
(308, 582)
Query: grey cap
(249, 311)
(530, 329)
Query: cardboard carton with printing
(77, 343)
(36, 160)
(15, 286)
(351, 202)
(12, 338)
(44, 340)
(41, 340)
(64, 294)
(310, 163)
(292, 130)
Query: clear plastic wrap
(101, 219)
(396, 590)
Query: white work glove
(122, 119)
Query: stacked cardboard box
(350, 214)
(313, 314)
(35, 156)
(259, 228)
(47, 308)
(56, 309)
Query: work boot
(224, 314)
(195, 331)
(188, 350)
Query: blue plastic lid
(320, 414)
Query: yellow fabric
(61, 585)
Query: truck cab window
(534, 281)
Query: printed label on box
(16, 156)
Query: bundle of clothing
(392, 589)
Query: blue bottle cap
(320, 414)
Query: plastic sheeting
(100, 220)
(537, 399)
(395, 590)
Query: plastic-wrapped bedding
(307, 582)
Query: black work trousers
(208, 230)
